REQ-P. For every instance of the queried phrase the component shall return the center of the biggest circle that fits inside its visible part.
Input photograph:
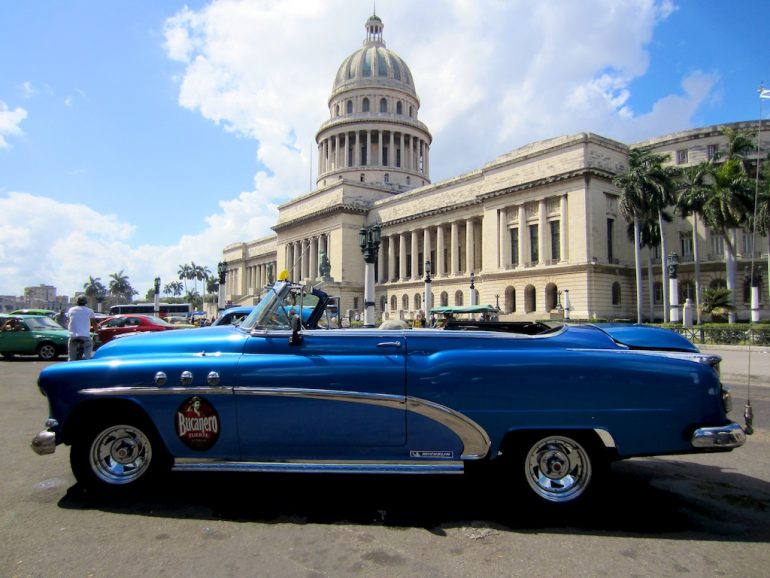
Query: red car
(125, 324)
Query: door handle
(389, 344)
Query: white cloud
(493, 74)
(9, 123)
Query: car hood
(223, 339)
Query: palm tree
(95, 290)
(728, 205)
(174, 288)
(647, 188)
(121, 287)
(184, 272)
(763, 207)
(692, 192)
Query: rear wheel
(561, 469)
(118, 456)
(46, 351)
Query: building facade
(527, 230)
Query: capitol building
(527, 228)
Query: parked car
(47, 312)
(127, 323)
(233, 315)
(278, 394)
(32, 335)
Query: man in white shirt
(80, 318)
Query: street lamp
(369, 241)
(428, 303)
(472, 300)
(222, 271)
(156, 307)
(566, 305)
(672, 265)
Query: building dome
(374, 64)
(373, 135)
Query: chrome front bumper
(44, 443)
(723, 437)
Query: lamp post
(428, 303)
(672, 265)
(566, 305)
(156, 306)
(754, 280)
(472, 300)
(369, 241)
(222, 271)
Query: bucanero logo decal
(197, 424)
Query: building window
(405, 302)
(686, 290)
(748, 243)
(408, 180)
(337, 110)
(515, 247)
(551, 295)
(411, 111)
(365, 105)
(616, 293)
(393, 303)
(657, 293)
(350, 107)
(444, 299)
(383, 105)
(685, 242)
(530, 303)
(399, 107)
(555, 241)
(362, 177)
(387, 178)
(384, 156)
(681, 157)
(717, 245)
(534, 255)
(383, 303)
(458, 297)
(510, 300)
(610, 231)
(718, 284)
(355, 302)
(712, 151)
(417, 302)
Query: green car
(32, 335)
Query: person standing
(79, 327)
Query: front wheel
(117, 457)
(46, 351)
(561, 469)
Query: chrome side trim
(319, 467)
(721, 437)
(476, 442)
(129, 390)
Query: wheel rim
(558, 469)
(120, 454)
(47, 351)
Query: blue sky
(136, 136)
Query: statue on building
(269, 273)
(325, 267)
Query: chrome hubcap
(558, 469)
(120, 454)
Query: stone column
(440, 267)
(544, 237)
(290, 259)
(504, 245)
(470, 246)
(523, 236)
(392, 258)
(426, 247)
(415, 255)
(454, 249)
(403, 152)
(357, 150)
(402, 257)
(563, 229)
(313, 258)
(368, 148)
(392, 150)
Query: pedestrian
(61, 318)
(79, 327)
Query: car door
(16, 337)
(335, 389)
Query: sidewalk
(737, 359)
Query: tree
(174, 288)
(120, 287)
(692, 193)
(95, 291)
(184, 272)
(647, 188)
(728, 205)
(763, 207)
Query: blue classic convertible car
(278, 393)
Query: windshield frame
(273, 300)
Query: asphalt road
(705, 515)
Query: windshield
(279, 304)
(41, 323)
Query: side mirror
(296, 325)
